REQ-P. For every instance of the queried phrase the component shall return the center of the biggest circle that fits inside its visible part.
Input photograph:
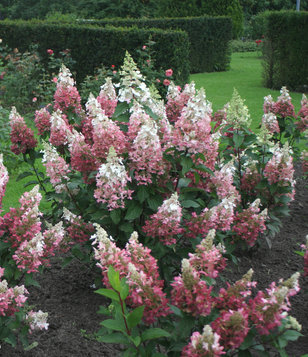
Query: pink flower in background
(166, 82)
(144, 47)
(169, 72)
(34, 99)
(50, 52)
(55, 79)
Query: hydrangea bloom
(145, 154)
(190, 293)
(78, 230)
(284, 107)
(269, 120)
(141, 270)
(279, 169)
(208, 259)
(37, 320)
(105, 133)
(249, 223)
(4, 178)
(11, 299)
(56, 167)
(107, 98)
(111, 182)
(165, 224)
(42, 120)
(66, 96)
(232, 327)
(22, 137)
(59, 129)
(203, 345)
(237, 113)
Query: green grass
(245, 76)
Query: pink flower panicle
(37, 320)
(218, 217)
(284, 107)
(139, 267)
(56, 167)
(203, 345)
(234, 297)
(22, 224)
(82, 157)
(190, 293)
(279, 169)
(232, 327)
(268, 308)
(166, 223)
(66, 97)
(106, 133)
(269, 120)
(208, 259)
(147, 292)
(42, 120)
(4, 178)
(250, 179)
(77, 230)
(177, 100)
(145, 154)
(59, 129)
(302, 123)
(107, 98)
(268, 106)
(111, 182)
(250, 223)
(11, 299)
(22, 137)
(30, 253)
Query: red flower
(50, 52)
(169, 72)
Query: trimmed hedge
(286, 50)
(209, 38)
(93, 45)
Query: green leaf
(249, 340)
(126, 227)
(115, 216)
(115, 337)
(114, 279)
(114, 325)
(291, 335)
(190, 203)
(134, 317)
(238, 140)
(184, 182)
(111, 294)
(103, 310)
(136, 340)
(186, 163)
(32, 182)
(23, 175)
(154, 333)
(124, 289)
(133, 212)
(77, 252)
(154, 202)
(245, 353)
(30, 347)
(142, 193)
(30, 281)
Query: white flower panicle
(65, 77)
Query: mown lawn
(245, 75)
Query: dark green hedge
(93, 45)
(286, 50)
(209, 38)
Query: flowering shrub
(129, 162)
(23, 250)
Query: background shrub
(286, 50)
(93, 45)
(209, 38)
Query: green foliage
(286, 50)
(92, 45)
(243, 46)
(209, 38)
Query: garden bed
(66, 294)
